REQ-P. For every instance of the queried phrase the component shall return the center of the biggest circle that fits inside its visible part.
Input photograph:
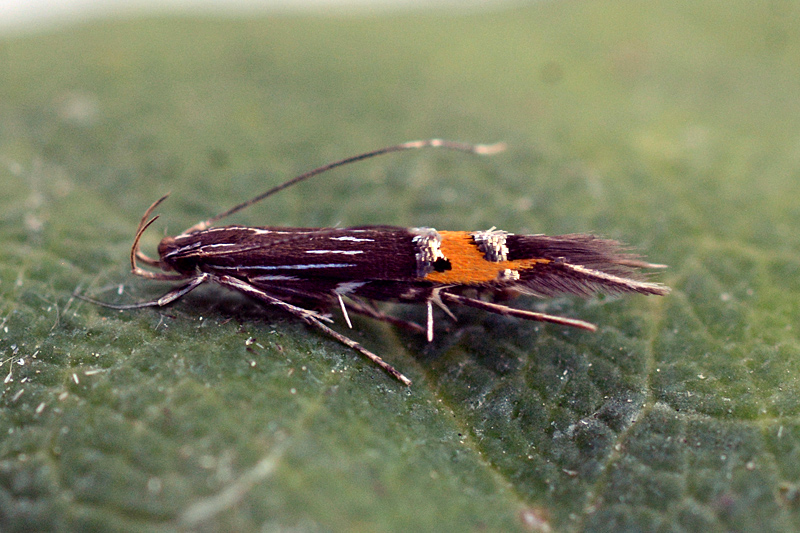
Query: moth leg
(311, 318)
(344, 311)
(361, 308)
(519, 313)
(435, 298)
(429, 322)
(168, 298)
(250, 290)
(389, 369)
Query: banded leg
(362, 308)
(311, 318)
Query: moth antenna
(136, 254)
(480, 149)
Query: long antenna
(482, 149)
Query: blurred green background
(673, 126)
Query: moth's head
(167, 247)
(172, 255)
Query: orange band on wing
(469, 266)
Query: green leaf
(668, 125)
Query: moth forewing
(308, 271)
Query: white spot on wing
(275, 277)
(509, 275)
(353, 239)
(342, 252)
(492, 243)
(285, 267)
(349, 286)
(223, 245)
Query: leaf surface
(668, 125)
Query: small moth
(306, 271)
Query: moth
(307, 271)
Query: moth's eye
(442, 265)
